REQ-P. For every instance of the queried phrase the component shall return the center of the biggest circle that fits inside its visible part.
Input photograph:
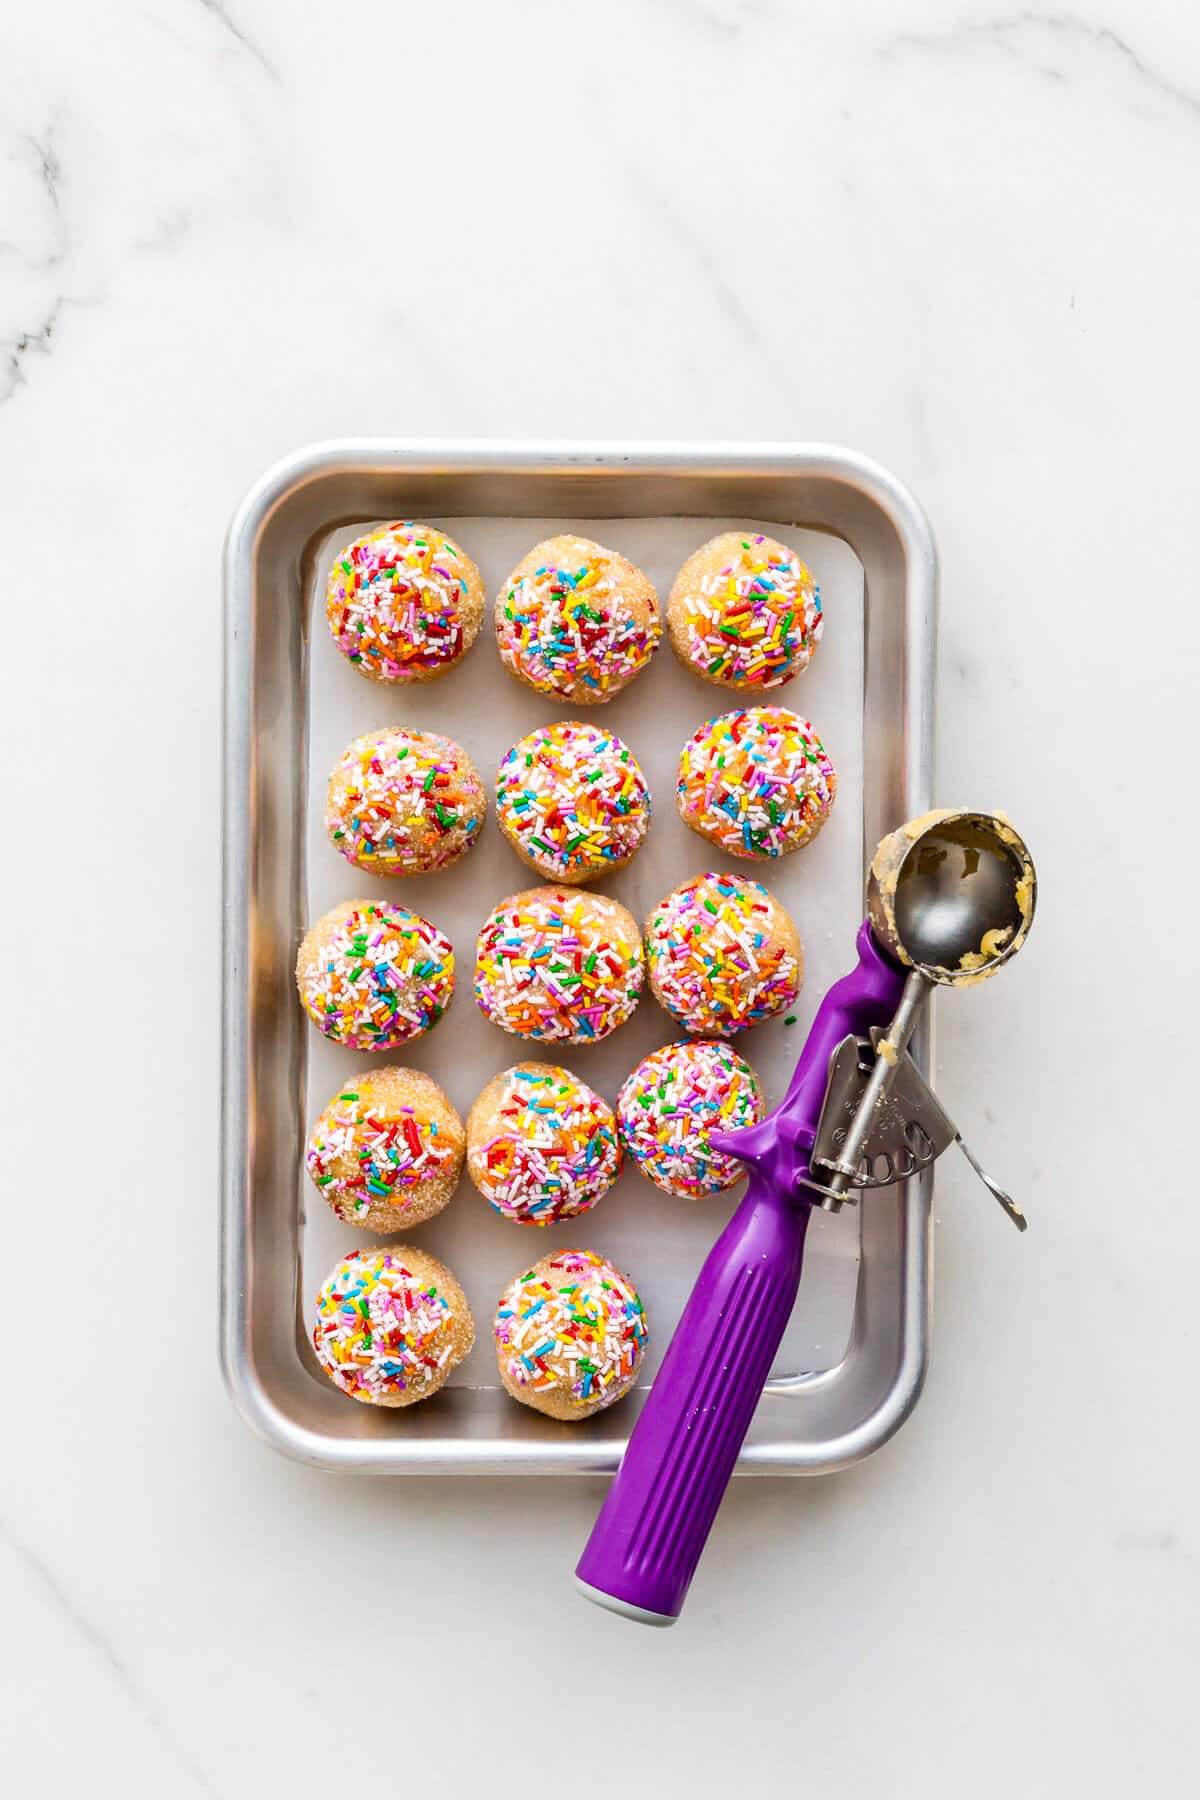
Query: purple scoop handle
(653, 1525)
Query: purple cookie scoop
(646, 1543)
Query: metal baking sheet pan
(851, 1363)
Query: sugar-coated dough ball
(372, 975)
(757, 783)
(387, 1151)
(671, 1102)
(559, 965)
(404, 802)
(570, 1335)
(744, 612)
(572, 801)
(404, 603)
(577, 620)
(723, 954)
(541, 1144)
(391, 1325)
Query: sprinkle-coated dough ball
(573, 802)
(757, 783)
(671, 1102)
(541, 1144)
(404, 802)
(744, 612)
(723, 954)
(404, 603)
(559, 965)
(570, 1335)
(387, 1151)
(391, 1325)
(577, 620)
(372, 975)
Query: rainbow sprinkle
(569, 624)
(560, 965)
(383, 1331)
(404, 802)
(718, 957)
(555, 1152)
(573, 800)
(370, 1150)
(572, 1326)
(398, 602)
(671, 1102)
(757, 783)
(374, 975)
(754, 620)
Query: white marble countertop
(959, 238)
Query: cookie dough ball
(577, 620)
(573, 802)
(559, 965)
(744, 612)
(541, 1144)
(404, 802)
(671, 1102)
(756, 783)
(391, 1325)
(723, 954)
(404, 603)
(570, 1335)
(372, 975)
(387, 1151)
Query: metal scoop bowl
(952, 895)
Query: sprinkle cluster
(376, 976)
(671, 1102)
(404, 802)
(573, 800)
(755, 620)
(559, 965)
(568, 627)
(574, 1326)
(757, 783)
(381, 1330)
(367, 1149)
(554, 1150)
(396, 602)
(719, 957)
